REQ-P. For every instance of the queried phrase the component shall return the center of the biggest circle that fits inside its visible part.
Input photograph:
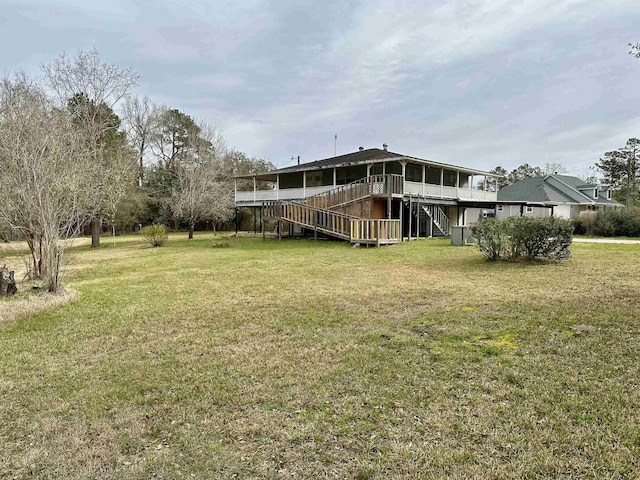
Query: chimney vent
(385, 146)
(360, 148)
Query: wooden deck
(315, 213)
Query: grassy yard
(297, 359)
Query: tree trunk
(96, 230)
(7, 282)
(191, 227)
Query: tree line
(78, 148)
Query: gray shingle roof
(355, 157)
(553, 189)
(363, 156)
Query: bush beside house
(530, 238)
(610, 223)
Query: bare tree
(635, 49)
(202, 189)
(90, 89)
(142, 121)
(44, 167)
(554, 169)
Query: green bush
(609, 222)
(155, 234)
(491, 237)
(532, 238)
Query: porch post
(441, 182)
(255, 230)
(304, 184)
(424, 183)
(254, 189)
(236, 219)
(418, 220)
(278, 187)
(410, 216)
(335, 177)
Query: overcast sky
(472, 83)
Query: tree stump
(7, 282)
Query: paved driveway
(607, 240)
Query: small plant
(220, 244)
(155, 234)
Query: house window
(394, 168)
(413, 172)
(529, 209)
(450, 178)
(465, 180)
(433, 176)
(377, 169)
(320, 178)
(350, 174)
(608, 194)
(595, 193)
(500, 208)
(291, 180)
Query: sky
(465, 82)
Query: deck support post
(418, 219)
(410, 216)
(279, 229)
(401, 220)
(378, 232)
(255, 229)
(262, 222)
(235, 219)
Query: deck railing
(333, 223)
(375, 231)
(374, 185)
(346, 227)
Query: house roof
(364, 156)
(553, 189)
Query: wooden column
(418, 219)
(410, 216)
(254, 189)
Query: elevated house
(371, 196)
(562, 196)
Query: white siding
(562, 211)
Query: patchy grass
(297, 359)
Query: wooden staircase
(318, 213)
(368, 187)
(440, 220)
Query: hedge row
(609, 223)
(530, 238)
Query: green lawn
(302, 359)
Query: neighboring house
(370, 196)
(562, 196)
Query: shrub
(524, 237)
(605, 223)
(491, 237)
(155, 234)
(586, 223)
(217, 244)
